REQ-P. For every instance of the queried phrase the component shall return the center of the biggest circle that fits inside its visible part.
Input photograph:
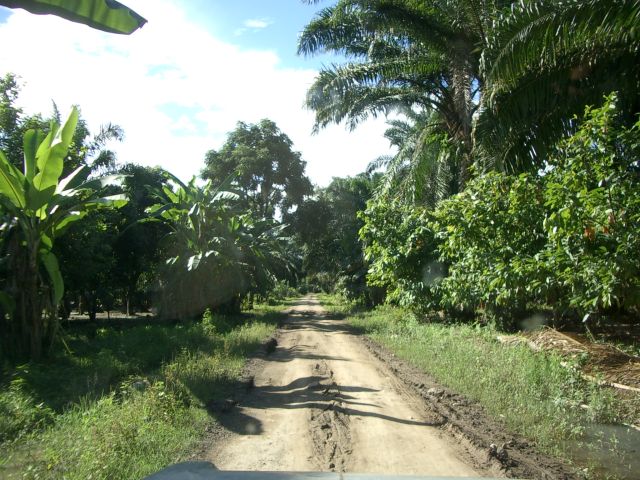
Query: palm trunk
(462, 79)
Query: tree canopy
(260, 160)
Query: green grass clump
(533, 393)
(122, 403)
(338, 306)
(129, 435)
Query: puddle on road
(609, 450)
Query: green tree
(137, 248)
(327, 228)
(198, 245)
(566, 239)
(218, 252)
(84, 149)
(592, 193)
(41, 206)
(489, 236)
(401, 250)
(13, 122)
(87, 261)
(265, 168)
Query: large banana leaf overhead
(107, 15)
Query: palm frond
(544, 62)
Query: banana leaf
(106, 15)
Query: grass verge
(122, 403)
(338, 306)
(534, 394)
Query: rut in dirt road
(322, 402)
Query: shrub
(567, 237)
(592, 193)
(490, 234)
(400, 246)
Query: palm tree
(543, 63)
(424, 170)
(403, 53)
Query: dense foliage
(592, 195)
(489, 235)
(178, 248)
(261, 163)
(326, 227)
(39, 205)
(561, 239)
(400, 247)
(218, 252)
(514, 187)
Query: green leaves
(107, 15)
(567, 238)
(51, 152)
(219, 252)
(489, 235)
(402, 55)
(258, 159)
(402, 250)
(45, 206)
(543, 63)
(32, 139)
(11, 185)
(50, 263)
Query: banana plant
(200, 248)
(42, 205)
(218, 252)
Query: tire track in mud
(330, 427)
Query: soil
(319, 397)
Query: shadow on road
(307, 392)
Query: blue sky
(242, 22)
(180, 84)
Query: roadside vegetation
(535, 394)
(124, 402)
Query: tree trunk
(462, 81)
(265, 193)
(29, 300)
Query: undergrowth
(122, 403)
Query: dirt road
(322, 402)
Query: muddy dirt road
(322, 402)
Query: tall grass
(122, 403)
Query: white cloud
(257, 23)
(208, 84)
